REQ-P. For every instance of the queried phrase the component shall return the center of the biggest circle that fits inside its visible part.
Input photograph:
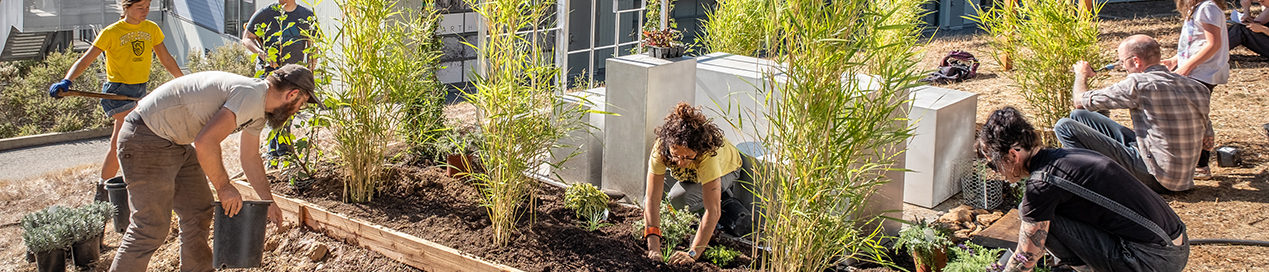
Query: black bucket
(52, 260)
(238, 242)
(86, 252)
(118, 191)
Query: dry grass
(1230, 206)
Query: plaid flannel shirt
(1169, 114)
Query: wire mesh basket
(981, 188)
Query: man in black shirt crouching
(1086, 209)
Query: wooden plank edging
(402, 247)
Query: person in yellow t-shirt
(706, 167)
(128, 45)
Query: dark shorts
(112, 107)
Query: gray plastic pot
(118, 191)
(49, 261)
(87, 251)
(238, 242)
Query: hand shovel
(97, 95)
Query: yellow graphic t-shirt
(129, 49)
(704, 170)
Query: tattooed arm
(1030, 246)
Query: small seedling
(720, 255)
(589, 203)
(970, 257)
(675, 226)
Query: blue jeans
(1093, 131)
(112, 107)
(1077, 243)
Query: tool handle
(98, 95)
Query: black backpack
(957, 66)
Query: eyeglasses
(681, 158)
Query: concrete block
(587, 164)
(943, 124)
(642, 90)
(732, 89)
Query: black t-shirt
(295, 21)
(1102, 175)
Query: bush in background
(232, 58)
(1044, 37)
(26, 108)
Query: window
(238, 13)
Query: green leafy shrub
(459, 139)
(1044, 37)
(970, 257)
(384, 62)
(738, 27)
(588, 203)
(720, 255)
(923, 240)
(676, 228)
(232, 57)
(88, 221)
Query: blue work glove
(59, 87)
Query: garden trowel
(97, 95)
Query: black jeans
(1077, 243)
(1241, 35)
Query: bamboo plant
(523, 112)
(1044, 37)
(835, 120)
(387, 61)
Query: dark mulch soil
(424, 202)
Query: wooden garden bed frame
(404, 248)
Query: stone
(987, 219)
(271, 244)
(942, 122)
(956, 216)
(317, 252)
(962, 234)
(613, 195)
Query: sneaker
(1204, 173)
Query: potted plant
(589, 203)
(47, 237)
(460, 144)
(981, 187)
(663, 43)
(927, 244)
(87, 226)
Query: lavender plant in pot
(663, 43)
(87, 227)
(47, 237)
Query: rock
(987, 219)
(271, 244)
(962, 234)
(317, 252)
(613, 194)
(947, 225)
(968, 225)
(976, 230)
(956, 216)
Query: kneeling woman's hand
(681, 257)
(654, 247)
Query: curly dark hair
(687, 126)
(1003, 129)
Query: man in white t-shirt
(169, 148)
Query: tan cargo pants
(162, 177)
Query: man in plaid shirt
(1169, 118)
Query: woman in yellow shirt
(128, 45)
(706, 165)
